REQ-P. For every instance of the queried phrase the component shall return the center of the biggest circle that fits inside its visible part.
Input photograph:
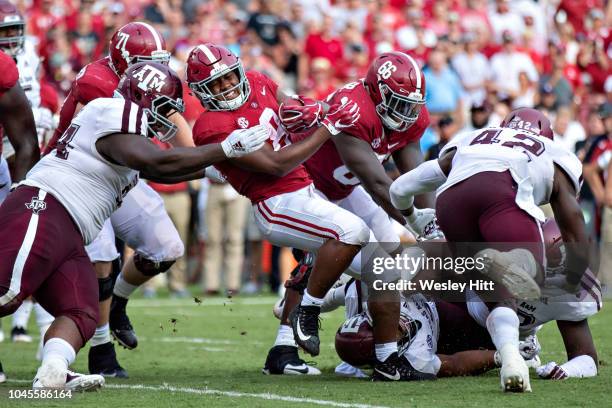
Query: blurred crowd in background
(480, 58)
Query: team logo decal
(243, 122)
(376, 143)
(36, 205)
(150, 78)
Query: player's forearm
(288, 158)
(472, 362)
(379, 190)
(183, 161)
(27, 154)
(174, 179)
(183, 137)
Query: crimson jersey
(260, 108)
(96, 80)
(326, 167)
(8, 79)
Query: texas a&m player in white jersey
(72, 191)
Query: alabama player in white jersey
(489, 185)
(71, 192)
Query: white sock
(22, 314)
(581, 366)
(122, 288)
(43, 318)
(58, 351)
(384, 350)
(308, 300)
(503, 326)
(284, 337)
(101, 336)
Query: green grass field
(210, 355)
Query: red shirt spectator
(323, 44)
(577, 9)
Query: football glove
(423, 224)
(244, 141)
(302, 115)
(551, 371)
(341, 116)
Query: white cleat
(514, 374)
(514, 269)
(50, 376)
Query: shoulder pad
(95, 81)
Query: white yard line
(233, 394)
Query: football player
(391, 99)
(72, 191)
(18, 122)
(142, 221)
(489, 185)
(287, 210)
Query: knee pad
(105, 288)
(151, 268)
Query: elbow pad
(426, 177)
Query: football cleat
(20, 335)
(513, 269)
(514, 374)
(120, 325)
(2, 375)
(396, 368)
(285, 360)
(305, 324)
(102, 360)
(51, 375)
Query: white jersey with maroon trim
(28, 64)
(89, 186)
(529, 158)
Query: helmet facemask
(163, 57)
(220, 101)
(398, 112)
(158, 124)
(14, 44)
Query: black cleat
(120, 325)
(396, 368)
(305, 324)
(103, 361)
(285, 360)
(20, 335)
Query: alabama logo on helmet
(242, 122)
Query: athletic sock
(384, 350)
(503, 326)
(308, 300)
(101, 336)
(284, 337)
(122, 288)
(58, 351)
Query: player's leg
(143, 224)
(236, 216)
(76, 316)
(214, 238)
(102, 358)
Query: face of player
(223, 85)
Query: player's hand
(424, 224)
(244, 141)
(300, 115)
(341, 116)
(530, 347)
(551, 371)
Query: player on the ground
(17, 121)
(489, 185)
(141, 221)
(22, 49)
(287, 210)
(99, 157)
(391, 99)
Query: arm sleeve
(426, 177)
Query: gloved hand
(244, 141)
(551, 371)
(302, 115)
(423, 224)
(341, 116)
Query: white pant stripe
(22, 255)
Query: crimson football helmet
(208, 63)
(555, 250)
(397, 87)
(12, 29)
(158, 90)
(136, 42)
(530, 120)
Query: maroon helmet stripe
(139, 120)
(125, 118)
